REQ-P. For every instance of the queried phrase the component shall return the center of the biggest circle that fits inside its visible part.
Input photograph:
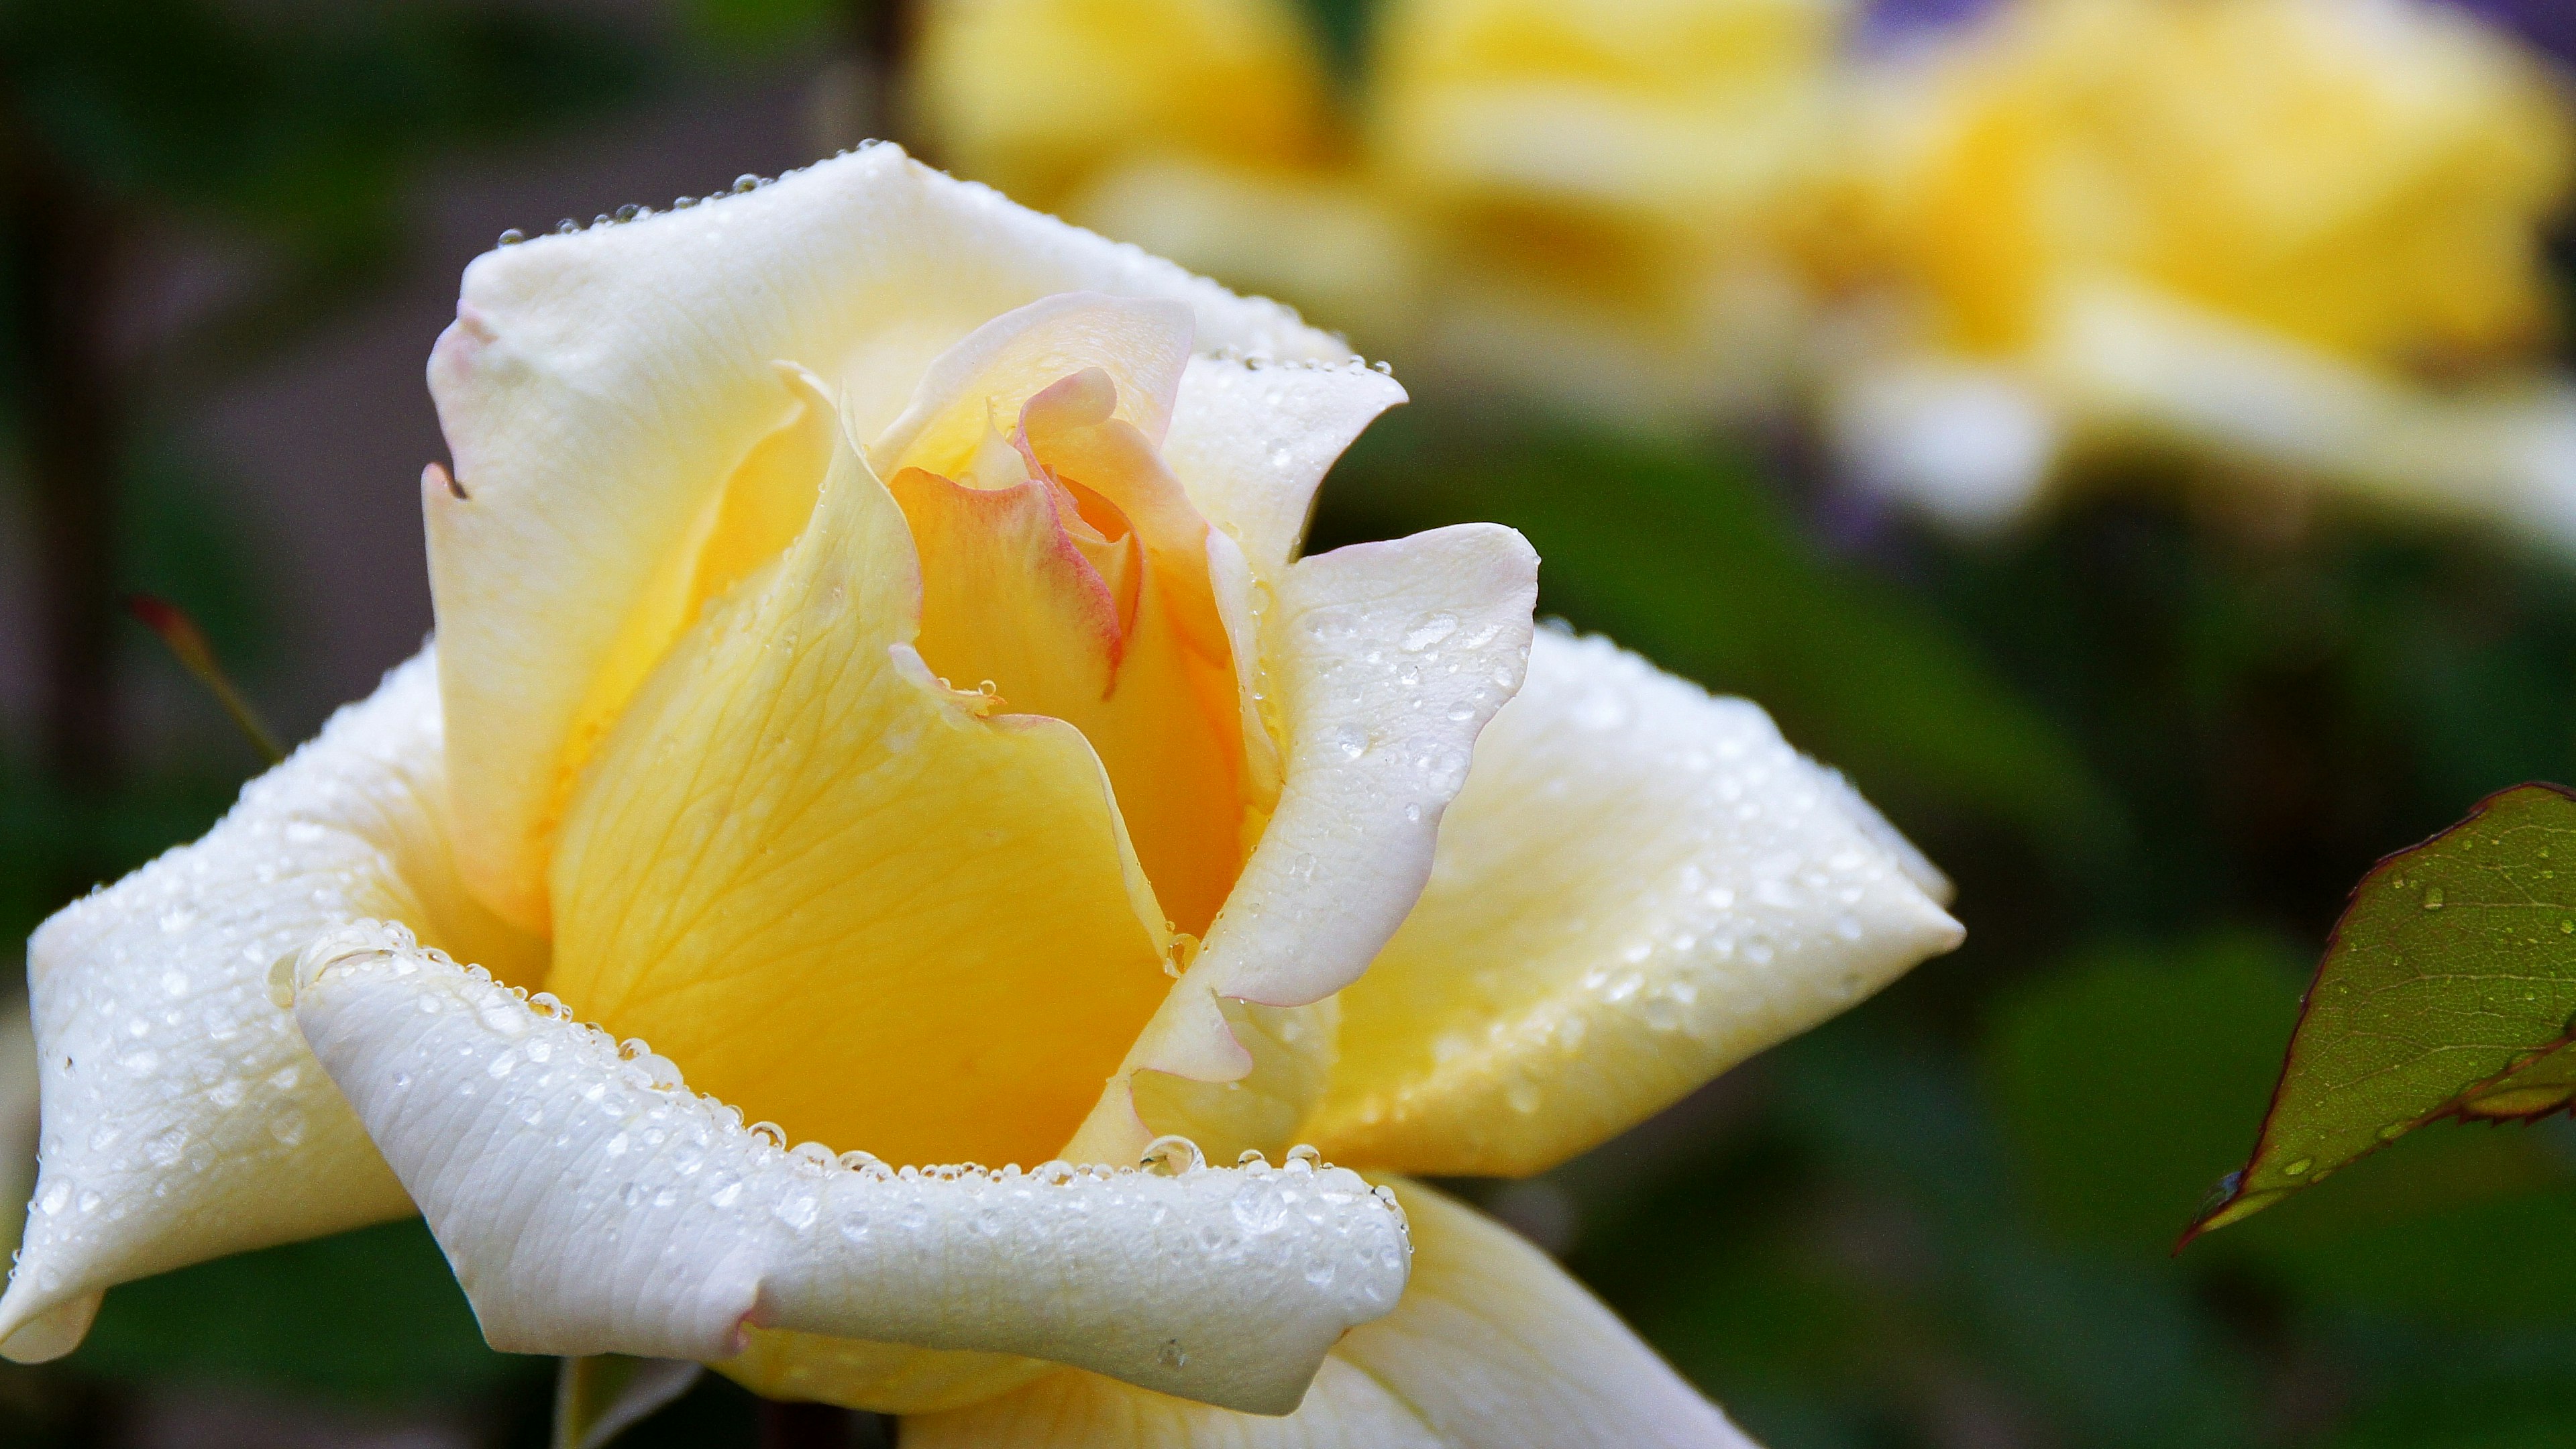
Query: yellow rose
(875, 666)
(2294, 232)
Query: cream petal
(1070, 1409)
(977, 387)
(1290, 1051)
(598, 389)
(1386, 660)
(1252, 439)
(1639, 886)
(883, 1378)
(183, 1116)
(1493, 1347)
(590, 1204)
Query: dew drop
(2298, 1168)
(1172, 1155)
(1430, 631)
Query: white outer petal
(596, 390)
(1388, 659)
(183, 1117)
(1494, 1347)
(1252, 439)
(590, 1204)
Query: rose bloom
(874, 666)
(2301, 235)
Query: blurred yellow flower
(1590, 201)
(2299, 233)
(1606, 187)
(1039, 97)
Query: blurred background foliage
(2154, 732)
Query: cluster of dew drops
(1171, 1155)
(746, 182)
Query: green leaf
(602, 1396)
(2446, 991)
(372, 1315)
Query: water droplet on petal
(1172, 1155)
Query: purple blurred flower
(2549, 24)
(1889, 23)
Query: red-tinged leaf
(187, 643)
(2446, 991)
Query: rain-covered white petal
(1386, 660)
(1639, 886)
(183, 1117)
(1251, 439)
(1493, 1347)
(598, 390)
(591, 1204)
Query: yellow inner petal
(748, 522)
(1081, 591)
(843, 896)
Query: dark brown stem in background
(62, 246)
(881, 31)
(858, 95)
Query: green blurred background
(2153, 751)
